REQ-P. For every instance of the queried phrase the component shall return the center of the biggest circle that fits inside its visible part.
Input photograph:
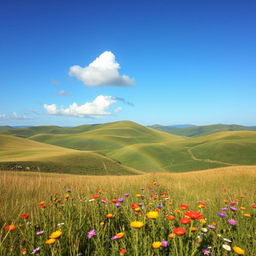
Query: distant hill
(127, 147)
(196, 131)
(24, 154)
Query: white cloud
(63, 93)
(97, 108)
(14, 116)
(55, 82)
(102, 71)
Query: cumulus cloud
(64, 93)
(102, 71)
(97, 108)
(14, 116)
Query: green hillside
(25, 154)
(196, 131)
(124, 145)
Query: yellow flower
(50, 241)
(202, 221)
(138, 195)
(56, 234)
(120, 235)
(238, 250)
(102, 223)
(247, 215)
(110, 216)
(152, 215)
(156, 245)
(137, 224)
(172, 235)
(137, 209)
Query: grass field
(75, 205)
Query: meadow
(210, 212)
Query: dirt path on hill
(205, 160)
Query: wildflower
(120, 199)
(202, 221)
(183, 206)
(164, 243)
(60, 224)
(118, 236)
(242, 208)
(104, 200)
(201, 205)
(156, 245)
(41, 203)
(204, 230)
(170, 217)
(238, 250)
(123, 251)
(233, 209)
(23, 251)
(172, 235)
(224, 209)
(95, 196)
(193, 229)
(50, 241)
(254, 206)
(39, 233)
(91, 233)
(227, 240)
(179, 231)
(152, 215)
(126, 195)
(248, 215)
(211, 226)
(232, 203)
(222, 215)
(114, 200)
(137, 224)
(232, 222)
(9, 228)
(159, 206)
(194, 215)
(110, 216)
(102, 223)
(206, 252)
(226, 247)
(56, 234)
(117, 205)
(35, 251)
(185, 220)
(24, 216)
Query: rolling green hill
(196, 131)
(128, 147)
(24, 154)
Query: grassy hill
(24, 154)
(127, 147)
(196, 131)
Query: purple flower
(126, 195)
(211, 227)
(227, 240)
(164, 243)
(222, 215)
(140, 204)
(224, 209)
(39, 233)
(232, 222)
(117, 204)
(233, 209)
(120, 199)
(35, 251)
(114, 238)
(91, 233)
(159, 206)
(206, 252)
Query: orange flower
(193, 229)
(185, 220)
(9, 227)
(201, 205)
(114, 200)
(238, 250)
(194, 215)
(50, 241)
(183, 206)
(95, 196)
(109, 216)
(179, 231)
(172, 235)
(170, 217)
(122, 251)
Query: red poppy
(254, 206)
(24, 216)
(122, 251)
(185, 221)
(170, 217)
(114, 200)
(179, 231)
(183, 206)
(194, 215)
(134, 206)
(95, 196)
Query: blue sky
(168, 62)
